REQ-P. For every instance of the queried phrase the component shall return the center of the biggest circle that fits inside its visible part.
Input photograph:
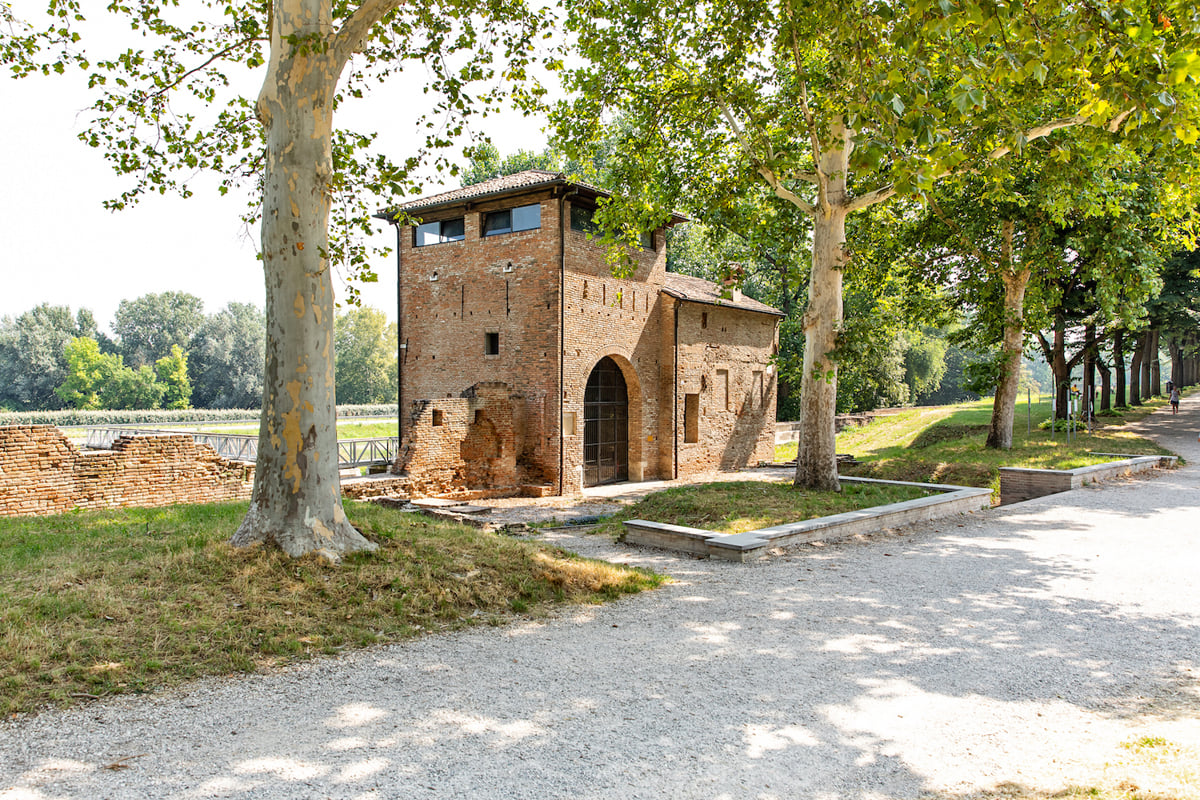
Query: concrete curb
(948, 501)
(1018, 484)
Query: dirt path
(1019, 645)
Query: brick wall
(724, 357)
(453, 294)
(41, 472)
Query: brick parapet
(41, 473)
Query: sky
(60, 245)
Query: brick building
(525, 364)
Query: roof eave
(774, 312)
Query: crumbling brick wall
(41, 472)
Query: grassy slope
(99, 603)
(945, 445)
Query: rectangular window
(568, 423)
(522, 218)
(439, 418)
(723, 388)
(691, 418)
(491, 344)
(446, 230)
(581, 219)
(646, 240)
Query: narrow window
(585, 290)
(491, 344)
(703, 319)
(439, 418)
(446, 230)
(723, 388)
(691, 418)
(757, 395)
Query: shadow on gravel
(889, 667)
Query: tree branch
(870, 199)
(769, 176)
(355, 30)
(214, 57)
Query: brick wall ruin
(41, 473)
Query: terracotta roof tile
(499, 185)
(698, 290)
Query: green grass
(946, 445)
(100, 603)
(737, 506)
(346, 429)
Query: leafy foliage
(149, 326)
(366, 347)
(225, 358)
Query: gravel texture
(1022, 644)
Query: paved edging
(950, 501)
(1026, 483)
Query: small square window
(491, 344)
(581, 219)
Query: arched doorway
(605, 425)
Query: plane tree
(168, 105)
(837, 108)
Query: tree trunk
(1004, 405)
(1105, 385)
(1155, 365)
(1060, 369)
(1135, 371)
(816, 457)
(1089, 370)
(1144, 381)
(1118, 351)
(297, 503)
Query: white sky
(61, 247)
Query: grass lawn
(737, 506)
(346, 429)
(99, 603)
(945, 445)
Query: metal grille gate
(605, 426)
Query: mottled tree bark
(1004, 404)
(1135, 370)
(297, 503)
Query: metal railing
(237, 447)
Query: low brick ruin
(42, 472)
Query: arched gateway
(605, 425)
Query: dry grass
(100, 603)
(1150, 768)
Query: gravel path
(1020, 645)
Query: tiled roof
(500, 185)
(504, 184)
(698, 290)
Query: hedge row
(163, 416)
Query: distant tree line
(165, 352)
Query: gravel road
(1022, 644)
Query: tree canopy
(836, 108)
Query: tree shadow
(994, 648)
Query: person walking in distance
(1174, 399)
